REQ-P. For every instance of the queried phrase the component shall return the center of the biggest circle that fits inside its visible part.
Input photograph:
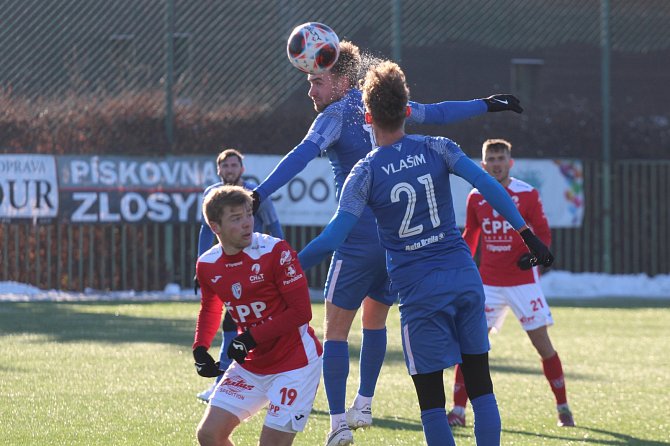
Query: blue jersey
(407, 187)
(340, 132)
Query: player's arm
(355, 193)
(472, 227)
(268, 216)
(538, 220)
(453, 111)
(498, 197)
(298, 310)
(333, 235)
(291, 165)
(207, 325)
(325, 130)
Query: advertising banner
(28, 187)
(126, 189)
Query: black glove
(256, 203)
(542, 255)
(196, 284)
(526, 261)
(503, 102)
(204, 363)
(239, 348)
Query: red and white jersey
(501, 245)
(265, 290)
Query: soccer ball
(313, 47)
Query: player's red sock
(460, 394)
(554, 373)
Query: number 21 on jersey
(407, 189)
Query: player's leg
(373, 348)
(478, 383)
(216, 426)
(430, 391)
(240, 395)
(456, 415)
(429, 340)
(347, 284)
(229, 328)
(471, 325)
(273, 437)
(531, 308)
(291, 397)
(553, 372)
(496, 309)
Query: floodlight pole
(606, 148)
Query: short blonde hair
(496, 145)
(218, 198)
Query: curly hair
(386, 94)
(348, 63)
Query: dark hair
(227, 154)
(220, 197)
(385, 94)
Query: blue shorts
(354, 275)
(441, 316)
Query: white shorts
(290, 395)
(527, 302)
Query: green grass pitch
(122, 374)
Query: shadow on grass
(67, 322)
(618, 439)
(610, 302)
(396, 423)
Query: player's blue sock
(487, 420)
(436, 427)
(224, 360)
(335, 373)
(373, 348)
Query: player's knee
(207, 436)
(477, 375)
(228, 323)
(430, 390)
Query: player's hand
(196, 284)
(526, 261)
(204, 363)
(503, 102)
(542, 255)
(255, 204)
(239, 348)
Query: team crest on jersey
(237, 290)
(285, 258)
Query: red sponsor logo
(237, 382)
(527, 320)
